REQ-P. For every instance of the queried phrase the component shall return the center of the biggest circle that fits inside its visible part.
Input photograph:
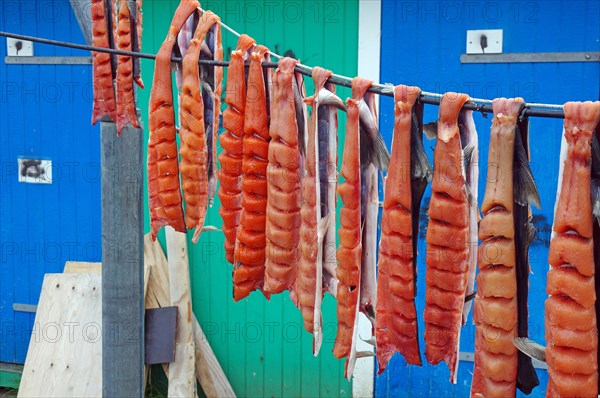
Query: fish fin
(470, 296)
(207, 88)
(468, 152)
(370, 341)
(430, 130)
(300, 111)
(327, 98)
(372, 146)
(364, 354)
(210, 228)
(525, 188)
(530, 348)
(420, 166)
(204, 49)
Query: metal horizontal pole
(510, 58)
(37, 60)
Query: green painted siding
(262, 345)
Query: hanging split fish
(505, 232)
(451, 233)
(396, 318)
(212, 78)
(163, 171)
(318, 206)
(283, 180)
(230, 158)
(249, 271)
(570, 317)
(137, 18)
(364, 153)
(126, 109)
(193, 150)
(104, 92)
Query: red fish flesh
(505, 232)
(570, 312)
(396, 317)
(104, 92)
(126, 108)
(283, 180)
(451, 233)
(163, 170)
(230, 188)
(193, 151)
(249, 271)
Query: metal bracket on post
(122, 262)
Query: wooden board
(81, 266)
(65, 351)
(209, 372)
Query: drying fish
(505, 232)
(396, 321)
(163, 171)
(126, 110)
(283, 180)
(212, 78)
(104, 92)
(451, 233)
(358, 233)
(230, 188)
(137, 18)
(193, 151)
(570, 316)
(318, 206)
(249, 271)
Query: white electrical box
(484, 41)
(35, 171)
(18, 48)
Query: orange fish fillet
(230, 189)
(193, 149)
(283, 177)
(396, 317)
(249, 271)
(349, 253)
(126, 110)
(104, 92)
(163, 171)
(449, 258)
(570, 310)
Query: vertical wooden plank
(182, 382)
(122, 259)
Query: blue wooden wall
(421, 45)
(45, 112)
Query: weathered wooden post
(122, 262)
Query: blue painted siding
(45, 112)
(421, 45)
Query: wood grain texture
(181, 372)
(65, 354)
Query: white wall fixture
(18, 48)
(484, 41)
(35, 171)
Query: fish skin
(450, 186)
(164, 194)
(570, 310)
(395, 330)
(283, 175)
(193, 150)
(104, 93)
(249, 271)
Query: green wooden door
(262, 345)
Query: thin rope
(476, 104)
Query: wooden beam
(83, 13)
(182, 382)
(122, 262)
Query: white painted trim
(369, 52)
